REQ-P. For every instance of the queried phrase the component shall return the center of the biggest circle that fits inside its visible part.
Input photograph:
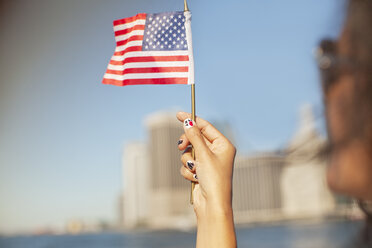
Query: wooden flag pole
(192, 148)
(186, 8)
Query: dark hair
(358, 28)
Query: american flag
(152, 49)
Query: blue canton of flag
(165, 32)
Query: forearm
(216, 229)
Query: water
(316, 235)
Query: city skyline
(268, 187)
(63, 132)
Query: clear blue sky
(62, 131)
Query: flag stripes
(134, 62)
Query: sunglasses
(331, 65)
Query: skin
(350, 169)
(213, 194)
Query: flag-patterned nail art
(189, 123)
(195, 176)
(180, 142)
(190, 164)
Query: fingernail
(186, 150)
(195, 176)
(180, 142)
(188, 123)
(190, 164)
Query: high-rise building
(304, 189)
(256, 187)
(135, 184)
(170, 192)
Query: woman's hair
(358, 28)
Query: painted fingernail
(186, 150)
(190, 164)
(180, 142)
(195, 176)
(189, 123)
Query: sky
(62, 131)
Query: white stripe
(148, 64)
(129, 25)
(191, 76)
(126, 36)
(147, 75)
(129, 44)
(150, 53)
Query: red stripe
(145, 81)
(130, 19)
(132, 38)
(150, 59)
(148, 70)
(128, 30)
(129, 49)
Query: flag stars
(165, 31)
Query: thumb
(195, 137)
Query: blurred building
(170, 192)
(136, 177)
(256, 188)
(304, 188)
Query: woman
(346, 67)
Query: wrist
(214, 211)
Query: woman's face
(350, 170)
